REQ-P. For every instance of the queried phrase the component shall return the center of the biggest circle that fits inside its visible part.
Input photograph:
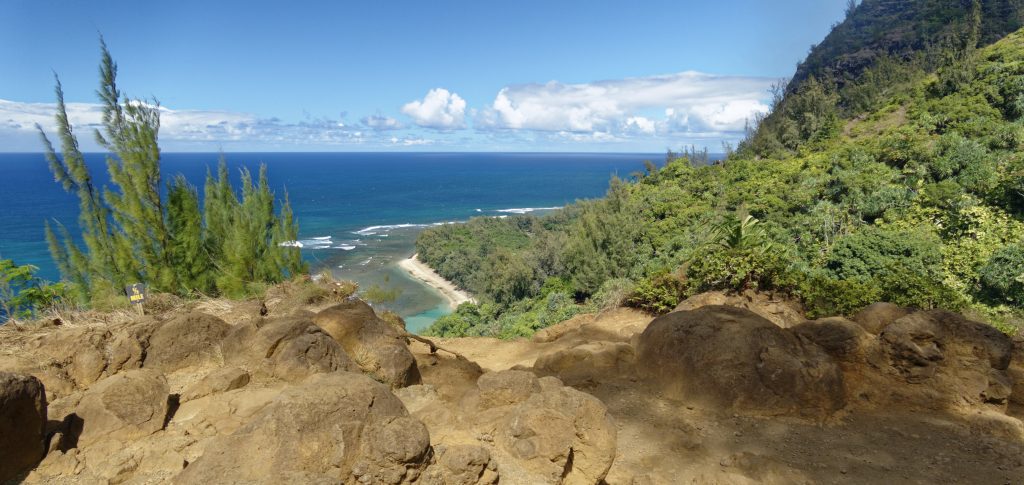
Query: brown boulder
(22, 424)
(733, 358)
(290, 348)
(80, 353)
(463, 465)
(544, 432)
(781, 311)
(1016, 371)
(332, 428)
(592, 360)
(123, 407)
(875, 317)
(376, 346)
(454, 375)
(220, 380)
(841, 338)
(506, 387)
(955, 361)
(187, 340)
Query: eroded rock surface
(290, 348)
(948, 360)
(122, 407)
(732, 357)
(781, 311)
(330, 397)
(22, 424)
(536, 430)
(335, 427)
(188, 340)
(376, 346)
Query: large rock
(339, 427)
(731, 357)
(777, 309)
(463, 465)
(875, 317)
(1016, 371)
(123, 407)
(71, 359)
(291, 348)
(534, 430)
(376, 346)
(589, 361)
(221, 380)
(80, 353)
(949, 360)
(841, 338)
(22, 424)
(185, 341)
(545, 432)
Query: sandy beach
(424, 273)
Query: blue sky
(412, 75)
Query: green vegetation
(879, 54)
(131, 232)
(380, 295)
(904, 182)
(23, 294)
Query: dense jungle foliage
(905, 184)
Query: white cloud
(641, 124)
(439, 109)
(693, 103)
(381, 122)
(192, 129)
(410, 141)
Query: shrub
(902, 286)
(715, 268)
(466, 320)
(23, 294)
(824, 296)
(612, 293)
(1003, 275)
(873, 252)
(658, 294)
(378, 294)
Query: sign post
(136, 296)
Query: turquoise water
(359, 213)
(416, 323)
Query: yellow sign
(136, 293)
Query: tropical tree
(132, 232)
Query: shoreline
(427, 276)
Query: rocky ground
(727, 389)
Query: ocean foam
(527, 210)
(383, 229)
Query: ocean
(359, 213)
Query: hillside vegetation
(874, 30)
(918, 200)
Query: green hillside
(918, 201)
(906, 29)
